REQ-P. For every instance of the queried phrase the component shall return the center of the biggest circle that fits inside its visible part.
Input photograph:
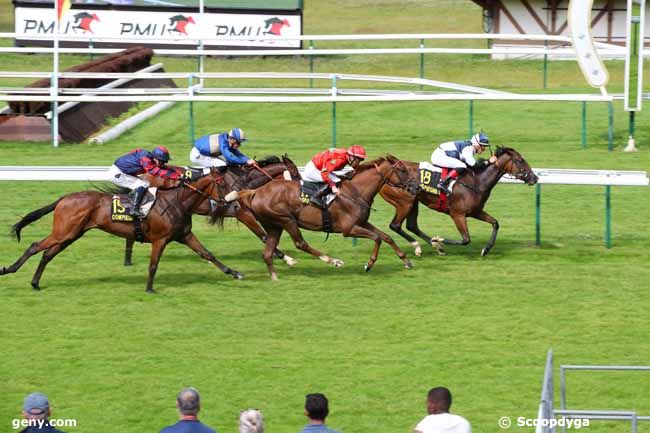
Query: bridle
(522, 174)
(403, 183)
(217, 180)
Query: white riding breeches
(440, 158)
(205, 161)
(124, 180)
(312, 174)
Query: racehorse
(277, 206)
(170, 219)
(245, 178)
(470, 194)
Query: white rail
(546, 175)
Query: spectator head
(251, 421)
(316, 407)
(188, 401)
(438, 400)
(36, 406)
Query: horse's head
(291, 167)
(511, 162)
(394, 172)
(209, 183)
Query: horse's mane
(268, 160)
(501, 150)
(371, 164)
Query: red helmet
(357, 151)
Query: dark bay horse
(237, 178)
(277, 207)
(170, 219)
(470, 194)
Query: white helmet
(481, 139)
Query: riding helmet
(357, 151)
(481, 139)
(237, 134)
(161, 153)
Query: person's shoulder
(205, 429)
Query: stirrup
(137, 213)
(444, 188)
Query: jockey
(458, 155)
(209, 148)
(321, 166)
(127, 167)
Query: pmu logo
(178, 24)
(274, 26)
(83, 20)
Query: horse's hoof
(290, 261)
(35, 286)
(367, 267)
(237, 275)
(337, 263)
(408, 264)
(274, 277)
(151, 291)
(3, 271)
(484, 252)
(128, 264)
(417, 250)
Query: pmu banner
(164, 28)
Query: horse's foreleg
(359, 231)
(484, 216)
(384, 237)
(48, 255)
(247, 217)
(412, 226)
(401, 212)
(191, 241)
(294, 231)
(461, 224)
(128, 252)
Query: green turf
(113, 357)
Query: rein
(203, 193)
(266, 173)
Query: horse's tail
(31, 217)
(243, 196)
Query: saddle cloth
(121, 205)
(307, 191)
(430, 176)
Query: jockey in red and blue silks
(127, 167)
(219, 150)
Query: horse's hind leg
(359, 231)
(484, 216)
(401, 212)
(413, 227)
(249, 220)
(300, 243)
(272, 240)
(128, 252)
(34, 248)
(48, 255)
(191, 241)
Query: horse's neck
(367, 183)
(188, 199)
(489, 177)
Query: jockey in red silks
(458, 155)
(127, 167)
(321, 167)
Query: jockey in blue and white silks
(458, 155)
(219, 150)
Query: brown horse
(170, 219)
(244, 178)
(277, 207)
(470, 194)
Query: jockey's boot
(319, 196)
(443, 186)
(137, 202)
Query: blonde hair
(251, 421)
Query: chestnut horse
(277, 207)
(470, 194)
(170, 219)
(244, 178)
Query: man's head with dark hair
(316, 407)
(438, 400)
(188, 401)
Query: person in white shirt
(439, 419)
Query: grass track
(113, 357)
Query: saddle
(122, 204)
(308, 192)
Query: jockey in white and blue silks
(458, 155)
(219, 150)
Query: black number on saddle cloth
(428, 180)
(193, 173)
(120, 208)
(307, 192)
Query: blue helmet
(481, 139)
(161, 153)
(237, 134)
